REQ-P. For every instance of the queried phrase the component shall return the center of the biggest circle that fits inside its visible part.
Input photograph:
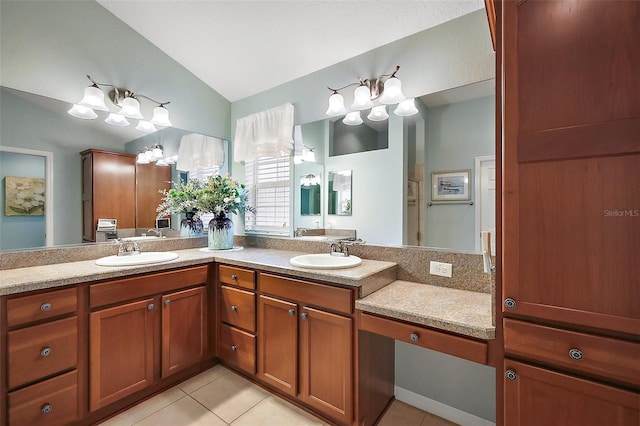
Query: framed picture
(24, 196)
(450, 185)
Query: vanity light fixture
(155, 154)
(376, 94)
(127, 100)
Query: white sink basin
(325, 261)
(137, 259)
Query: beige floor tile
(204, 378)
(402, 414)
(229, 396)
(184, 412)
(146, 408)
(274, 411)
(433, 420)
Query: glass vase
(220, 233)
(190, 226)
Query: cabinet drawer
(325, 296)
(237, 348)
(52, 402)
(600, 356)
(237, 276)
(39, 351)
(22, 310)
(238, 308)
(116, 291)
(461, 347)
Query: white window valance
(199, 151)
(264, 134)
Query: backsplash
(413, 262)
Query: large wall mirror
(454, 130)
(42, 124)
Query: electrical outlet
(440, 268)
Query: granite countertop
(458, 311)
(370, 276)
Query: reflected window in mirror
(339, 194)
(368, 136)
(310, 195)
(268, 182)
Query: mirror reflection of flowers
(222, 195)
(181, 198)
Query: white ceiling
(241, 48)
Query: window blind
(267, 180)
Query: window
(267, 180)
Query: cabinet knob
(292, 312)
(509, 303)
(150, 306)
(234, 308)
(167, 302)
(46, 409)
(511, 375)
(45, 352)
(234, 277)
(234, 348)
(575, 354)
(45, 307)
(303, 315)
(414, 337)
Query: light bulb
(116, 120)
(378, 113)
(146, 126)
(352, 119)
(361, 98)
(83, 112)
(94, 99)
(142, 159)
(130, 108)
(157, 152)
(336, 105)
(392, 93)
(161, 116)
(406, 108)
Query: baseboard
(439, 409)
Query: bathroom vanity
(82, 342)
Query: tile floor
(220, 397)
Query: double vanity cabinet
(96, 342)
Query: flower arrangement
(222, 195)
(182, 198)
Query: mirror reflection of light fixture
(309, 180)
(385, 89)
(155, 154)
(128, 102)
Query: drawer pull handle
(575, 354)
(303, 315)
(509, 303)
(511, 375)
(45, 307)
(414, 337)
(234, 308)
(292, 312)
(45, 352)
(150, 306)
(234, 348)
(234, 277)
(46, 409)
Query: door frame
(478, 199)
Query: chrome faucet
(339, 247)
(127, 248)
(299, 232)
(156, 231)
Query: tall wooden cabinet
(571, 212)
(108, 190)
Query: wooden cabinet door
(184, 329)
(121, 342)
(278, 344)
(571, 204)
(326, 363)
(150, 179)
(535, 396)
